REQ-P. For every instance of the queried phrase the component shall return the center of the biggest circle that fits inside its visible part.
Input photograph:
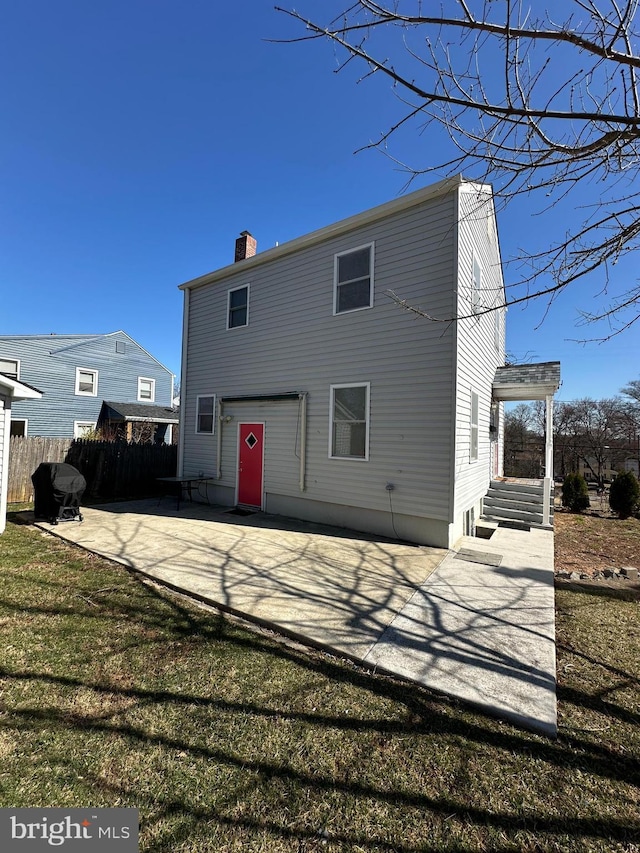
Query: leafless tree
(533, 98)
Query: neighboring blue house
(76, 373)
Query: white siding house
(308, 391)
(10, 391)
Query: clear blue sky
(139, 138)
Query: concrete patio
(476, 624)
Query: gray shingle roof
(526, 381)
(139, 412)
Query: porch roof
(526, 381)
(114, 411)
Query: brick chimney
(245, 246)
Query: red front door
(250, 456)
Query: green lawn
(118, 694)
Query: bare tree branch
(535, 105)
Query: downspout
(219, 441)
(303, 440)
(183, 384)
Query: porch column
(548, 461)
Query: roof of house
(138, 412)
(365, 218)
(62, 343)
(20, 390)
(526, 381)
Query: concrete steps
(511, 502)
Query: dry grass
(593, 542)
(114, 693)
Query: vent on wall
(121, 346)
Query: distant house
(76, 373)
(11, 393)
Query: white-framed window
(146, 389)
(238, 307)
(81, 429)
(86, 382)
(353, 279)
(18, 427)
(10, 367)
(349, 421)
(476, 285)
(205, 413)
(473, 428)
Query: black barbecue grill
(58, 489)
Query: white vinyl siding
(477, 355)
(349, 422)
(238, 307)
(353, 279)
(146, 389)
(476, 286)
(86, 382)
(473, 429)
(205, 414)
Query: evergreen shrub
(575, 492)
(624, 495)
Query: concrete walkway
(476, 624)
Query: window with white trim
(81, 429)
(86, 382)
(473, 428)
(238, 307)
(146, 389)
(353, 280)
(18, 427)
(205, 411)
(10, 367)
(349, 427)
(476, 286)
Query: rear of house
(308, 392)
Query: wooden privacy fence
(112, 469)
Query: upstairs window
(353, 280)
(238, 307)
(10, 367)
(86, 382)
(205, 408)
(146, 390)
(349, 422)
